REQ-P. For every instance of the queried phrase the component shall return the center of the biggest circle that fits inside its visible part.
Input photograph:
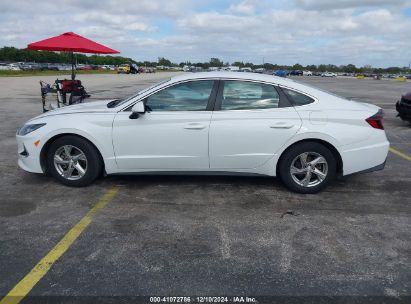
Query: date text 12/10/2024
(205, 299)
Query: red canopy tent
(71, 42)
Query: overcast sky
(376, 32)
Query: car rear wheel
(307, 167)
(74, 161)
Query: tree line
(12, 54)
(349, 68)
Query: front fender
(97, 129)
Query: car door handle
(194, 126)
(281, 125)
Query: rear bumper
(367, 156)
(373, 169)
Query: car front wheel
(307, 167)
(74, 161)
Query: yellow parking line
(395, 151)
(39, 271)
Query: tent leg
(73, 76)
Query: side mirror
(137, 109)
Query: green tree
(163, 61)
(311, 67)
(350, 68)
(215, 62)
(322, 68)
(297, 66)
(239, 64)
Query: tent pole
(72, 66)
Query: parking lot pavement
(178, 235)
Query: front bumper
(404, 110)
(29, 154)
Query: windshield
(117, 102)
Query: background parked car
(280, 73)
(64, 67)
(52, 67)
(14, 67)
(403, 107)
(127, 68)
(85, 67)
(108, 67)
(4, 67)
(296, 73)
(328, 74)
(28, 66)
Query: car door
(172, 134)
(252, 121)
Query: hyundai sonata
(210, 123)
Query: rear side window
(296, 98)
(245, 95)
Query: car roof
(276, 80)
(233, 75)
(324, 99)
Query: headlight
(26, 129)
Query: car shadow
(212, 180)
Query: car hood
(87, 107)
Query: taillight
(375, 121)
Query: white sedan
(328, 74)
(210, 123)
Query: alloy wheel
(309, 169)
(70, 162)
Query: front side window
(245, 95)
(297, 99)
(187, 96)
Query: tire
(294, 174)
(79, 167)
